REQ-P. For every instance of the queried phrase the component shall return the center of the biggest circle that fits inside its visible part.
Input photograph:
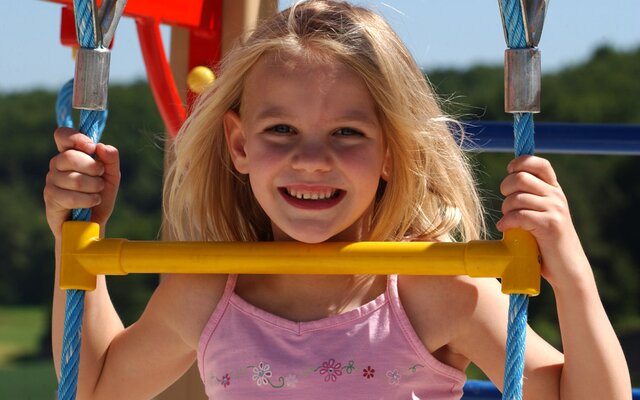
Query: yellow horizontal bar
(514, 259)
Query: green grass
(20, 331)
(29, 380)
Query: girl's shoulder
(187, 301)
(444, 310)
(436, 304)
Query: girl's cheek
(264, 153)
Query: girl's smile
(312, 198)
(309, 137)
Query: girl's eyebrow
(272, 112)
(359, 116)
(350, 115)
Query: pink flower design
(291, 380)
(262, 373)
(332, 369)
(368, 372)
(394, 377)
(226, 380)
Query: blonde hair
(430, 193)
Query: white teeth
(311, 195)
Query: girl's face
(310, 140)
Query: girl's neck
(309, 297)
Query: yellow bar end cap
(522, 275)
(76, 235)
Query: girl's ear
(386, 166)
(236, 141)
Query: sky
(439, 33)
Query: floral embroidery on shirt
(394, 377)
(331, 369)
(415, 367)
(262, 375)
(291, 380)
(349, 367)
(368, 372)
(224, 381)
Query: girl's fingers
(524, 182)
(76, 181)
(62, 200)
(77, 161)
(533, 200)
(536, 166)
(110, 159)
(524, 201)
(68, 138)
(532, 221)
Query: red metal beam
(160, 77)
(188, 14)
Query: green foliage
(602, 90)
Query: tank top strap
(412, 337)
(215, 318)
(392, 290)
(403, 319)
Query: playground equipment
(84, 255)
(514, 259)
(198, 42)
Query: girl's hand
(77, 180)
(535, 202)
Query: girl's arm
(140, 361)
(594, 364)
(77, 180)
(144, 359)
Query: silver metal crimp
(91, 82)
(522, 80)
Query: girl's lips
(310, 204)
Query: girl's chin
(310, 235)
(303, 238)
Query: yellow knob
(199, 78)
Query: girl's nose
(312, 156)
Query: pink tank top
(371, 352)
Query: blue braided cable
(92, 124)
(512, 14)
(71, 345)
(523, 130)
(63, 105)
(85, 23)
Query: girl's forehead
(275, 70)
(293, 83)
(279, 65)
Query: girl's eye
(348, 132)
(281, 129)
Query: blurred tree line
(603, 190)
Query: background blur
(591, 64)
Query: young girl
(322, 128)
